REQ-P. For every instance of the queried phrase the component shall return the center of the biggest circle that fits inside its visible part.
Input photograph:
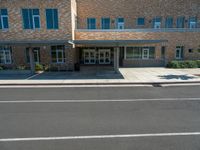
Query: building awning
(34, 42)
(114, 42)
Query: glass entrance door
(104, 56)
(89, 56)
(145, 53)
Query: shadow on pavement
(177, 77)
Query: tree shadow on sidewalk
(178, 77)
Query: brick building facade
(60, 33)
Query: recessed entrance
(104, 56)
(90, 56)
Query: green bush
(198, 63)
(1, 68)
(184, 64)
(38, 67)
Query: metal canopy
(114, 42)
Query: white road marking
(32, 76)
(100, 137)
(99, 101)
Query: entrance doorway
(104, 56)
(89, 56)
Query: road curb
(87, 84)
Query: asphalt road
(114, 118)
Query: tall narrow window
(120, 23)
(192, 22)
(31, 18)
(169, 22)
(180, 22)
(105, 23)
(4, 19)
(52, 18)
(91, 23)
(179, 52)
(157, 22)
(5, 55)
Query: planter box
(17, 72)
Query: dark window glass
(105, 23)
(4, 19)
(169, 22)
(91, 23)
(180, 22)
(140, 21)
(31, 18)
(52, 18)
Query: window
(31, 18)
(5, 55)
(91, 23)
(180, 22)
(192, 22)
(57, 54)
(52, 18)
(140, 52)
(105, 23)
(4, 19)
(140, 21)
(120, 23)
(169, 22)
(179, 52)
(157, 22)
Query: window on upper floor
(91, 23)
(169, 22)
(140, 21)
(192, 22)
(5, 55)
(4, 19)
(31, 18)
(157, 22)
(120, 23)
(180, 22)
(105, 23)
(52, 18)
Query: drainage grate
(156, 85)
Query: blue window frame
(157, 22)
(169, 22)
(120, 23)
(180, 22)
(52, 18)
(105, 23)
(4, 19)
(140, 21)
(91, 23)
(31, 18)
(192, 23)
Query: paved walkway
(126, 75)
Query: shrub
(198, 63)
(38, 67)
(184, 64)
(1, 68)
(173, 64)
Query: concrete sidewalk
(125, 76)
